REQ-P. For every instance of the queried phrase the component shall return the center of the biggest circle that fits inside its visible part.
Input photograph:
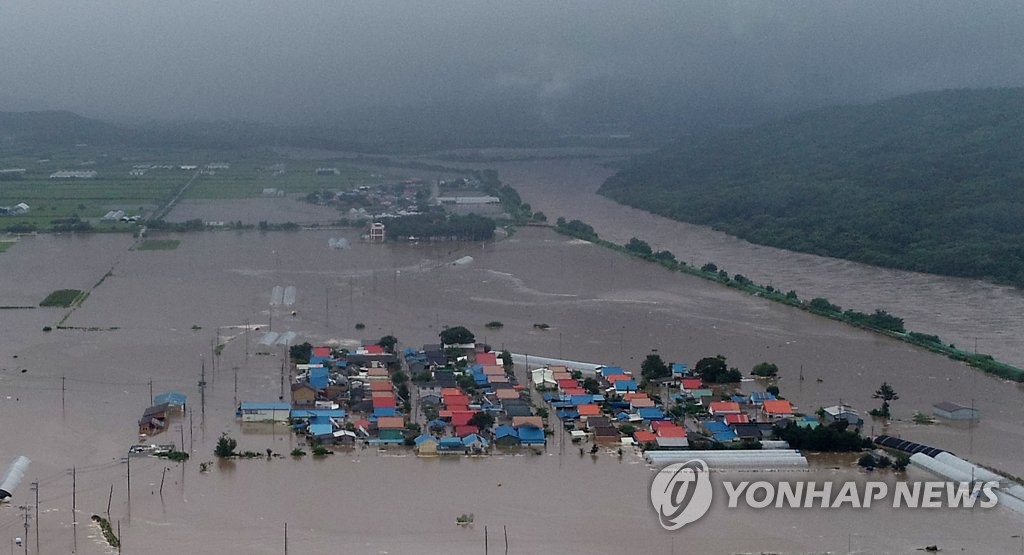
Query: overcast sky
(261, 60)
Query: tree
(627, 429)
(225, 446)
(388, 342)
(300, 353)
(482, 420)
(710, 268)
(765, 370)
(457, 335)
(714, 370)
(654, 368)
(664, 256)
(773, 389)
(591, 385)
(886, 393)
(636, 246)
(506, 359)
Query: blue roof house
(624, 386)
(318, 377)
(529, 435)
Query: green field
(4, 245)
(114, 188)
(64, 298)
(159, 245)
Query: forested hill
(932, 182)
(57, 128)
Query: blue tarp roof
(651, 413)
(567, 414)
(736, 398)
(625, 385)
(758, 397)
(622, 416)
(320, 429)
(612, 370)
(581, 399)
(450, 442)
(725, 436)
(437, 423)
(314, 413)
(171, 398)
(385, 411)
(529, 435)
(319, 360)
(679, 368)
(250, 405)
(318, 377)
(715, 426)
(503, 431)
(420, 439)
(474, 438)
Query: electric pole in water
(35, 488)
(202, 392)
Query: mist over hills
(932, 182)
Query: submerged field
(169, 310)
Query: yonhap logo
(681, 493)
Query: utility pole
(62, 396)
(235, 370)
(35, 488)
(74, 507)
(285, 538)
(202, 392)
(151, 391)
(24, 543)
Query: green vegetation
(765, 370)
(457, 335)
(886, 393)
(6, 245)
(108, 532)
(879, 322)
(654, 368)
(159, 245)
(321, 451)
(300, 353)
(927, 182)
(176, 456)
(436, 227)
(494, 325)
(226, 446)
(388, 342)
(831, 438)
(64, 298)
(714, 370)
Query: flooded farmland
(155, 318)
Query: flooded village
(323, 357)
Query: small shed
(154, 420)
(953, 411)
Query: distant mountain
(932, 182)
(57, 128)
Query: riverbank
(887, 324)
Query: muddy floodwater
(156, 315)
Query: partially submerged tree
(226, 446)
(765, 370)
(886, 393)
(457, 335)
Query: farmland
(137, 182)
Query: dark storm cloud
(280, 60)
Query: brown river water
(601, 306)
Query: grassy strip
(985, 363)
(108, 532)
(159, 245)
(64, 298)
(5, 245)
